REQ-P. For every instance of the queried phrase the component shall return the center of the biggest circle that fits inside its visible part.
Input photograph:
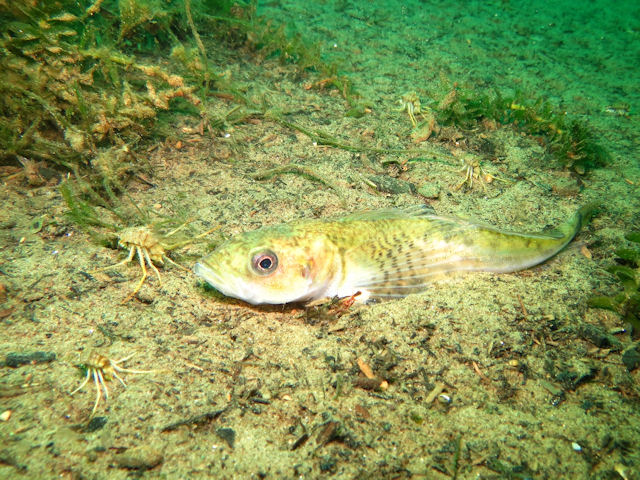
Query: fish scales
(387, 253)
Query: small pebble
(6, 415)
(95, 424)
(576, 447)
(392, 185)
(631, 358)
(139, 459)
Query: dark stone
(631, 359)
(572, 378)
(327, 464)
(15, 359)
(95, 424)
(227, 434)
(388, 184)
(599, 337)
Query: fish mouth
(208, 275)
(229, 287)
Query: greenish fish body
(387, 253)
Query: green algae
(83, 82)
(570, 141)
(75, 83)
(627, 302)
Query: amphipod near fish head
(271, 266)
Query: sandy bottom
(488, 376)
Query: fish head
(269, 266)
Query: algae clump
(570, 141)
(627, 302)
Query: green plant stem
(322, 138)
(295, 169)
(196, 35)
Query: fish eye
(264, 262)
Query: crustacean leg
(132, 252)
(98, 379)
(143, 258)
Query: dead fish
(381, 254)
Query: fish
(371, 255)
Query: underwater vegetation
(84, 92)
(627, 302)
(83, 87)
(75, 91)
(570, 141)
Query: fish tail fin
(579, 219)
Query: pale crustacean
(102, 369)
(474, 172)
(371, 255)
(410, 102)
(151, 249)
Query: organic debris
(197, 420)
(17, 359)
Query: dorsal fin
(414, 211)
